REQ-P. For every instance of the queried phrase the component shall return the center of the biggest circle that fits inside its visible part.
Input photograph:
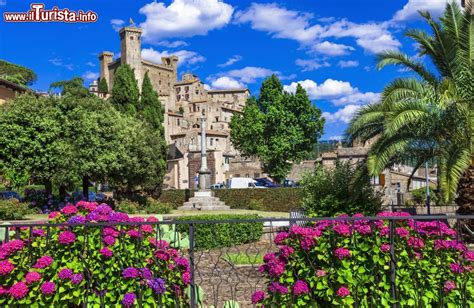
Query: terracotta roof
(228, 90)
(11, 85)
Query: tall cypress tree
(150, 105)
(103, 87)
(125, 93)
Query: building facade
(185, 101)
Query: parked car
(233, 183)
(9, 195)
(217, 186)
(290, 183)
(266, 182)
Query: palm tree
(428, 116)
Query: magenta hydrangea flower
(69, 210)
(469, 255)
(53, 215)
(286, 251)
(343, 292)
(416, 243)
(18, 290)
(146, 273)
(342, 253)
(109, 240)
(43, 262)
(449, 286)
(342, 229)
(258, 297)
(106, 252)
(66, 237)
(3, 291)
(186, 277)
(300, 287)
(6, 267)
(276, 287)
(134, 233)
(32, 277)
(280, 237)
(38, 232)
(76, 278)
(110, 231)
(456, 268)
(402, 232)
(130, 272)
(129, 299)
(65, 273)
(48, 287)
(14, 246)
(320, 273)
(385, 247)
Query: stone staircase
(204, 201)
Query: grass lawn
(243, 258)
(177, 213)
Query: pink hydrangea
(342, 253)
(53, 215)
(300, 287)
(65, 273)
(110, 231)
(32, 277)
(258, 297)
(342, 229)
(3, 291)
(449, 244)
(416, 243)
(18, 290)
(39, 232)
(69, 210)
(275, 266)
(147, 228)
(48, 287)
(280, 237)
(469, 255)
(276, 287)
(109, 240)
(320, 273)
(385, 247)
(402, 232)
(457, 268)
(14, 246)
(134, 233)
(364, 229)
(158, 243)
(76, 278)
(106, 252)
(66, 237)
(449, 286)
(186, 277)
(286, 251)
(43, 262)
(343, 292)
(6, 267)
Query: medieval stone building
(185, 101)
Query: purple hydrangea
(342, 253)
(77, 219)
(257, 297)
(76, 278)
(276, 287)
(146, 273)
(103, 209)
(157, 285)
(300, 287)
(48, 288)
(128, 299)
(65, 273)
(109, 240)
(130, 272)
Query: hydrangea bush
(111, 265)
(348, 261)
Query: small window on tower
(131, 38)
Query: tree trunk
(62, 192)
(48, 186)
(465, 198)
(85, 188)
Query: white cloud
(59, 62)
(311, 65)
(90, 75)
(249, 74)
(117, 24)
(231, 61)
(172, 44)
(410, 10)
(207, 87)
(280, 22)
(185, 56)
(183, 18)
(226, 83)
(348, 63)
(338, 137)
(344, 114)
(91, 64)
(336, 91)
(332, 49)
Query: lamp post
(427, 176)
(203, 171)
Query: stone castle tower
(130, 50)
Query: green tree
(329, 192)
(150, 105)
(17, 73)
(125, 93)
(429, 116)
(74, 87)
(103, 87)
(278, 127)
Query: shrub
(329, 192)
(418, 196)
(256, 205)
(215, 235)
(128, 207)
(273, 199)
(12, 209)
(339, 263)
(101, 266)
(156, 207)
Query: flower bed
(345, 262)
(77, 264)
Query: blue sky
(327, 46)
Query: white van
(233, 183)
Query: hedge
(272, 199)
(216, 235)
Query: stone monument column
(204, 198)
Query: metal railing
(225, 275)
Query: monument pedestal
(204, 200)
